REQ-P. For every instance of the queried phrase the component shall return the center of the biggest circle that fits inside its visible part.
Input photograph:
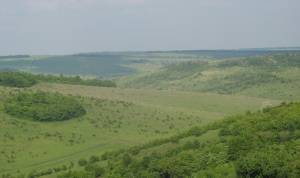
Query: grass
(195, 102)
(116, 119)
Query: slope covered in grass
(259, 144)
(273, 76)
(108, 125)
(204, 104)
(115, 119)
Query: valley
(141, 114)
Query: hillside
(115, 119)
(271, 76)
(259, 144)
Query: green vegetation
(75, 80)
(273, 76)
(16, 79)
(22, 79)
(115, 119)
(182, 114)
(259, 144)
(41, 106)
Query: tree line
(23, 79)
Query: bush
(42, 106)
(270, 162)
(95, 169)
(82, 162)
(94, 159)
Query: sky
(74, 26)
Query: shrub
(82, 162)
(94, 159)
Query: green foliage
(75, 80)
(17, 79)
(47, 172)
(94, 159)
(263, 144)
(42, 106)
(22, 79)
(90, 171)
(82, 162)
(272, 161)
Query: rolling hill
(271, 76)
(115, 119)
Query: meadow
(115, 119)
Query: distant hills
(116, 64)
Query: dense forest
(42, 106)
(262, 144)
(22, 79)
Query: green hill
(259, 144)
(115, 119)
(273, 76)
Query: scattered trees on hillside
(261, 144)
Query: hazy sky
(71, 26)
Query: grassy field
(116, 118)
(165, 99)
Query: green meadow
(115, 119)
